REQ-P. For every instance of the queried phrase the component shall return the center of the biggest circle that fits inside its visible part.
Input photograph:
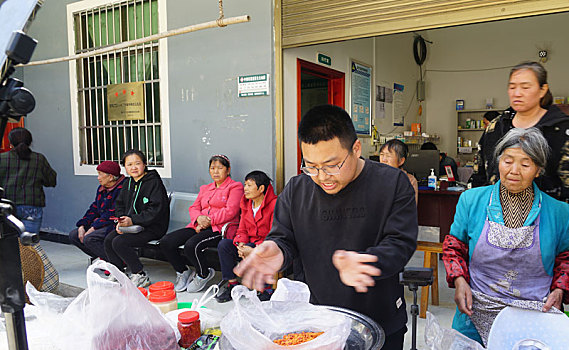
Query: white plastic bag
(513, 327)
(111, 316)
(288, 290)
(47, 302)
(439, 338)
(253, 324)
(208, 318)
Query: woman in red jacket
(216, 205)
(257, 206)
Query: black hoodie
(374, 214)
(145, 202)
(555, 127)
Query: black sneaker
(224, 294)
(265, 295)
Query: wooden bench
(431, 258)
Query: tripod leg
(12, 293)
(16, 330)
(414, 313)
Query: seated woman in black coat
(142, 202)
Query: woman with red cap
(89, 236)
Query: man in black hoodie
(353, 223)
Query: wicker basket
(32, 267)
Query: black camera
(15, 99)
(419, 276)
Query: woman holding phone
(142, 212)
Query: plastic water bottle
(432, 180)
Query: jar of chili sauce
(189, 327)
(159, 286)
(143, 291)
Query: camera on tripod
(15, 100)
(418, 276)
(413, 278)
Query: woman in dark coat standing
(23, 175)
(530, 106)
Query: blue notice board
(360, 105)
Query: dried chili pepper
(296, 338)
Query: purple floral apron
(506, 269)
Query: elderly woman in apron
(509, 243)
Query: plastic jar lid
(143, 291)
(188, 316)
(162, 296)
(162, 285)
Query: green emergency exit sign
(322, 58)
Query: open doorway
(317, 85)
(5, 147)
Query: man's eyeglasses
(327, 169)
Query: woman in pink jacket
(216, 205)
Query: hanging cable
(419, 50)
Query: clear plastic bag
(288, 290)
(109, 316)
(47, 302)
(253, 324)
(439, 338)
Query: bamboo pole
(192, 28)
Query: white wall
(341, 54)
(483, 46)
(394, 63)
(465, 53)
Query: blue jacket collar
(495, 213)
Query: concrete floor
(71, 264)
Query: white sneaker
(198, 283)
(182, 280)
(140, 280)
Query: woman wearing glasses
(216, 205)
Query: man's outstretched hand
(260, 266)
(355, 270)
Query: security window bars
(99, 138)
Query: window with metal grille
(105, 25)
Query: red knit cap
(110, 167)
